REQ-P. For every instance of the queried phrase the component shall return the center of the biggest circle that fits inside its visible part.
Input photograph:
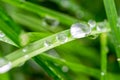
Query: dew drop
(5, 65)
(102, 27)
(47, 43)
(53, 52)
(24, 50)
(65, 3)
(102, 73)
(50, 21)
(92, 23)
(65, 69)
(80, 30)
(62, 38)
(26, 56)
(1, 34)
(118, 59)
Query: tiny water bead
(62, 37)
(118, 59)
(53, 52)
(24, 50)
(47, 43)
(102, 26)
(92, 23)
(65, 69)
(5, 65)
(65, 3)
(26, 56)
(102, 73)
(50, 21)
(80, 30)
(1, 34)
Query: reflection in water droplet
(92, 23)
(47, 43)
(102, 73)
(62, 38)
(65, 69)
(1, 34)
(79, 30)
(50, 21)
(5, 65)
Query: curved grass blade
(38, 47)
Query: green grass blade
(103, 56)
(112, 18)
(9, 28)
(64, 19)
(38, 47)
(51, 72)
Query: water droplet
(65, 69)
(1, 34)
(50, 21)
(65, 3)
(24, 50)
(52, 52)
(5, 65)
(102, 26)
(47, 43)
(62, 38)
(93, 36)
(118, 59)
(80, 30)
(92, 23)
(26, 56)
(102, 73)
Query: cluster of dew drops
(77, 30)
(80, 30)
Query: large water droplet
(1, 34)
(5, 65)
(50, 21)
(62, 37)
(102, 26)
(92, 23)
(79, 30)
(65, 69)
